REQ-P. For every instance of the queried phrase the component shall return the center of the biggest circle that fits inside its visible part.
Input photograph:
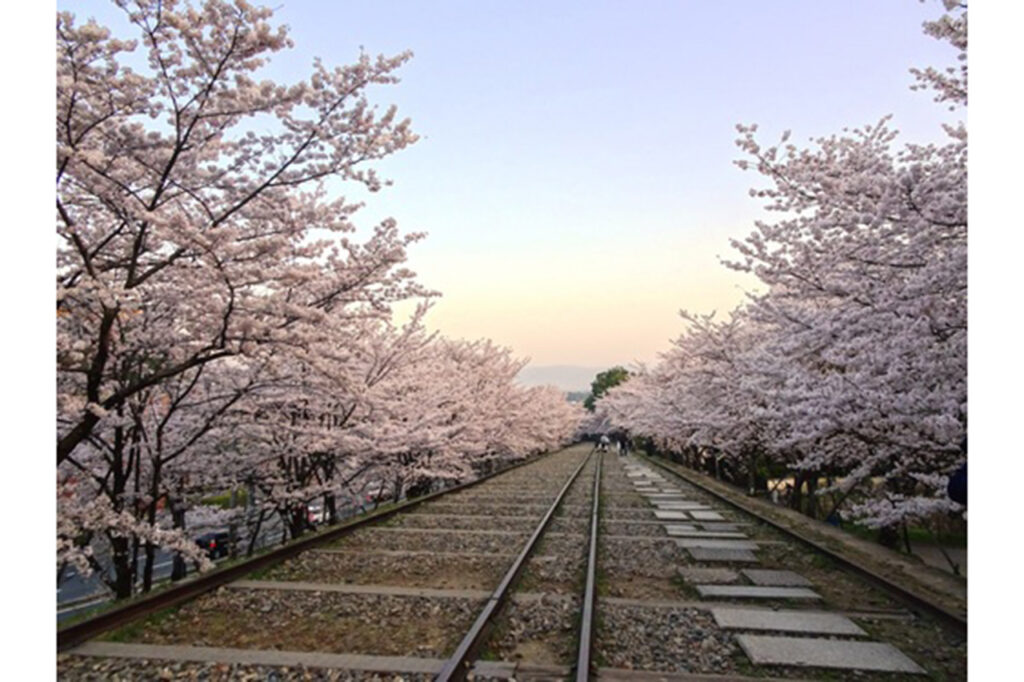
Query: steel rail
(952, 619)
(457, 666)
(587, 621)
(77, 633)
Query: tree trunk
(889, 537)
(796, 501)
(121, 559)
(179, 568)
(812, 498)
(255, 534)
(147, 571)
(330, 508)
(135, 560)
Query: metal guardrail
(77, 633)
(457, 666)
(952, 619)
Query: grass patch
(223, 500)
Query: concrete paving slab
(672, 515)
(722, 527)
(679, 528)
(706, 554)
(684, 505)
(778, 578)
(826, 653)
(691, 532)
(695, 574)
(756, 592)
(708, 516)
(716, 544)
(812, 622)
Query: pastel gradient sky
(575, 174)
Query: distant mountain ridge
(565, 377)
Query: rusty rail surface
(587, 620)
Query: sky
(575, 172)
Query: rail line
(456, 667)
(542, 571)
(584, 657)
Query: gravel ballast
(100, 669)
(434, 571)
(311, 621)
(663, 639)
(435, 541)
(541, 631)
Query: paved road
(77, 593)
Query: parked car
(375, 490)
(316, 513)
(217, 543)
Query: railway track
(574, 566)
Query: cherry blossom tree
(187, 239)
(167, 199)
(852, 362)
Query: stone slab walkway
(756, 592)
(716, 544)
(707, 516)
(918, 577)
(738, 555)
(776, 578)
(810, 622)
(826, 653)
(690, 532)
